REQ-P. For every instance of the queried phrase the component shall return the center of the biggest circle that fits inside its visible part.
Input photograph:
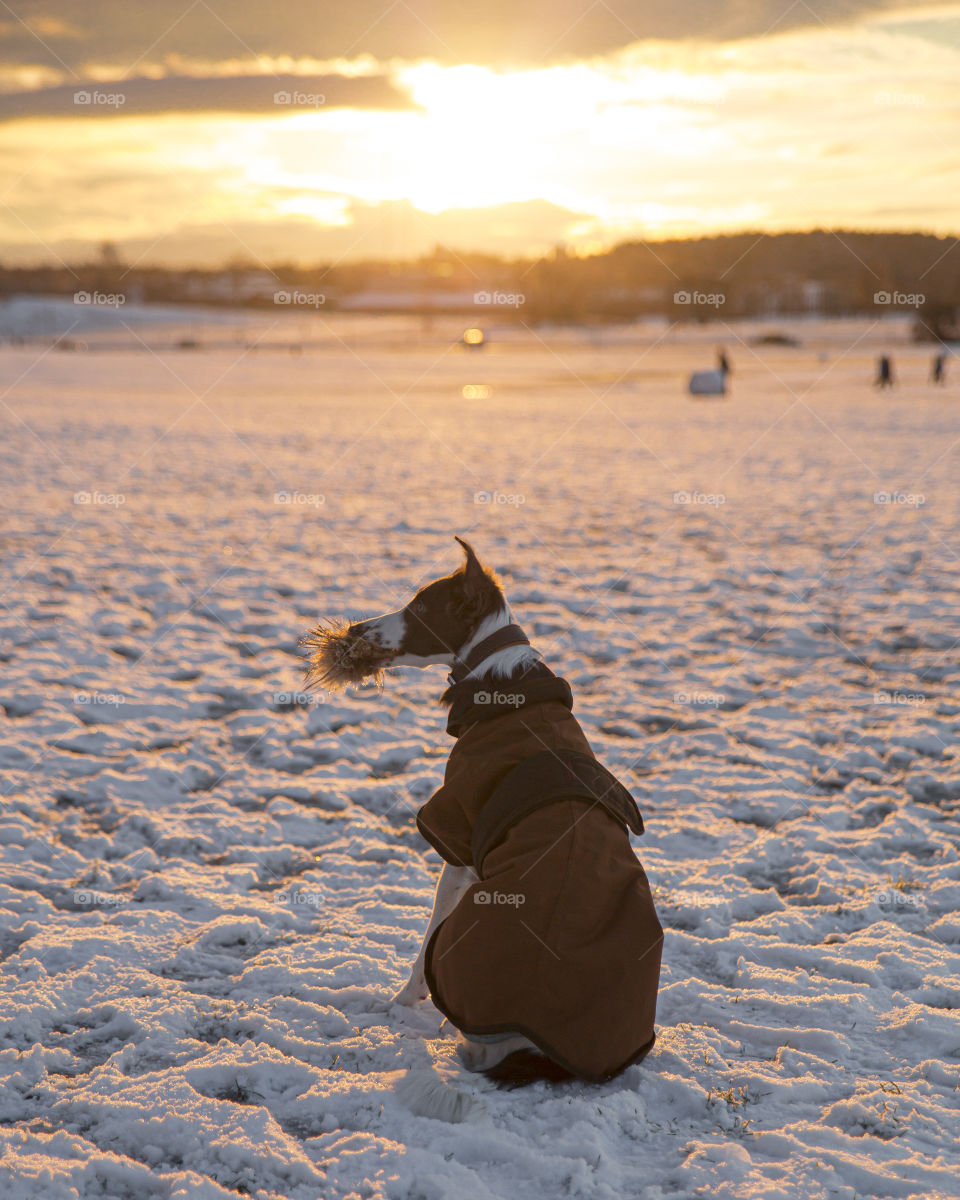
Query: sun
(475, 139)
(483, 138)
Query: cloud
(667, 138)
(38, 27)
(497, 32)
(273, 94)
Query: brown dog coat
(559, 940)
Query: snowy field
(211, 884)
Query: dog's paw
(411, 993)
(481, 1056)
(472, 1055)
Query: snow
(212, 883)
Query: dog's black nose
(365, 630)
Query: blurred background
(596, 160)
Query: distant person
(884, 371)
(938, 371)
(711, 383)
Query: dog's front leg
(453, 882)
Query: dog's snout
(367, 630)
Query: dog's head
(439, 620)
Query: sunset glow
(657, 138)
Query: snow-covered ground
(211, 883)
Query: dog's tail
(524, 1067)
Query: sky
(206, 133)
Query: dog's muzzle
(339, 654)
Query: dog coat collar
(474, 700)
(508, 635)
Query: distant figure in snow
(884, 372)
(711, 383)
(939, 369)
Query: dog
(543, 948)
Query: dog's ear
(474, 576)
(481, 592)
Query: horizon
(96, 258)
